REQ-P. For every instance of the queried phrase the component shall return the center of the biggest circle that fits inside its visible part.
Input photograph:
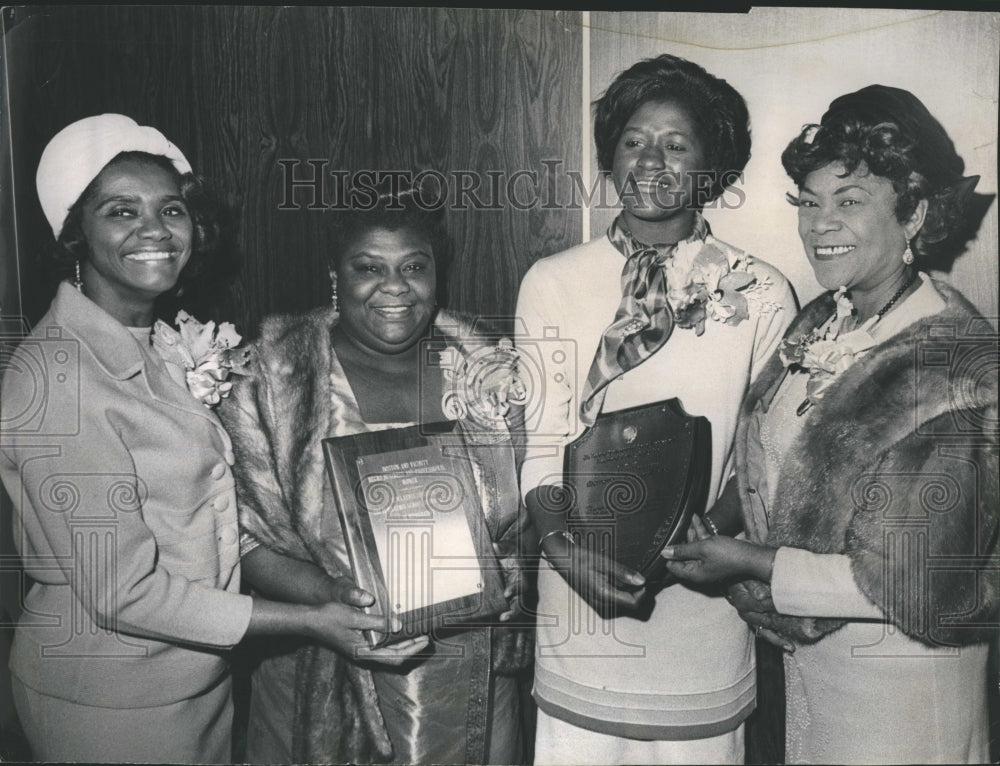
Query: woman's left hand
(519, 588)
(752, 599)
(717, 558)
(393, 655)
(343, 589)
(751, 596)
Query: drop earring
(334, 300)
(908, 255)
(78, 282)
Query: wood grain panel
(241, 88)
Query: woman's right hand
(610, 588)
(338, 624)
(717, 558)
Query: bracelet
(710, 524)
(561, 532)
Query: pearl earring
(333, 292)
(907, 255)
(78, 282)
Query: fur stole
(898, 470)
(277, 416)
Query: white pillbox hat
(78, 153)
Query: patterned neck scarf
(643, 322)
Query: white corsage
(207, 354)
(704, 281)
(825, 352)
(483, 385)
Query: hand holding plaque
(609, 588)
(410, 510)
(342, 624)
(633, 481)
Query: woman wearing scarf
(656, 309)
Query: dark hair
(72, 244)
(717, 109)
(897, 138)
(392, 207)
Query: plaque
(634, 478)
(409, 506)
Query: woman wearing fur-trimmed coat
(382, 357)
(277, 417)
(867, 474)
(868, 492)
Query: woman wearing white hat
(120, 475)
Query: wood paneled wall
(240, 88)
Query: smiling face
(139, 234)
(849, 228)
(655, 157)
(386, 285)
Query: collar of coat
(283, 336)
(853, 412)
(117, 353)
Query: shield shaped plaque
(634, 478)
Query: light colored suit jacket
(125, 517)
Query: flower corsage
(708, 281)
(824, 352)
(208, 355)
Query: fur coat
(897, 469)
(277, 416)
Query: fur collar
(900, 451)
(288, 383)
